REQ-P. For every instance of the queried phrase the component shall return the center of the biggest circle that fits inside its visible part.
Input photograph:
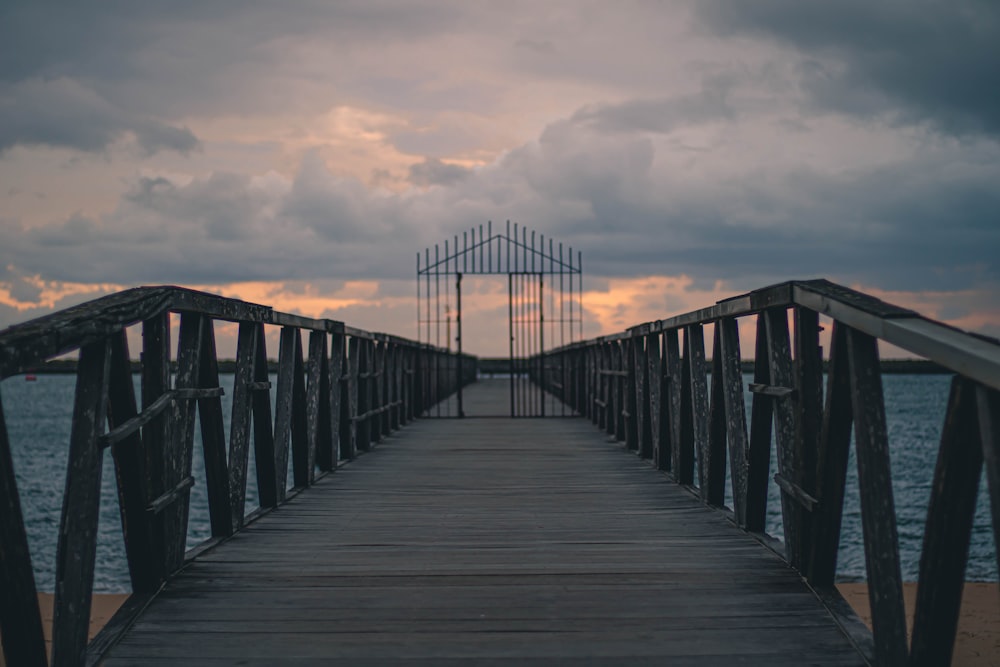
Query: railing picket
(395, 388)
(364, 396)
(644, 419)
(314, 398)
(878, 511)
(633, 398)
(283, 407)
(178, 457)
(716, 463)
(697, 386)
(20, 617)
(948, 530)
(326, 454)
(735, 411)
(385, 387)
(785, 429)
(239, 430)
(129, 456)
(77, 544)
(354, 362)
(346, 424)
(686, 473)
(618, 354)
(809, 385)
(675, 402)
(213, 439)
(834, 446)
(263, 435)
(657, 405)
(156, 435)
(336, 372)
(759, 459)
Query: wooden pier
(598, 538)
(489, 541)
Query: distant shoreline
(500, 365)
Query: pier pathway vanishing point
(489, 541)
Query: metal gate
(544, 306)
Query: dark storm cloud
(62, 112)
(933, 61)
(435, 172)
(664, 114)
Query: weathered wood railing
(648, 387)
(352, 388)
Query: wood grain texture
(948, 531)
(759, 453)
(240, 422)
(489, 541)
(735, 409)
(834, 446)
(77, 545)
(878, 510)
(213, 440)
(129, 456)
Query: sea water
(39, 415)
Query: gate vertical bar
(458, 325)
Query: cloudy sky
(300, 153)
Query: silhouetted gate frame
(526, 262)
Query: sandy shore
(104, 607)
(978, 640)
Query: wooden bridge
(496, 540)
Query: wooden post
(364, 395)
(759, 459)
(130, 457)
(630, 361)
(283, 406)
(239, 432)
(674, 376)
(831, 475)
(715, 492)
(335, 396)
(988, 401)
(878, 511)
(20, 618)
(156, 435)
(657, 405)
(354, 363)
(735, 410)
(213, 440)
(315, 366)
(77, 545)
(179, 454)
(785, 428)
(263, 436)
(950, 513)
(694, 341)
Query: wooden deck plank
(489, 541)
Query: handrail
(648, 386)
(336, 395)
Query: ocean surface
(38, 418)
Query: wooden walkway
(488, 541)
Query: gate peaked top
(518, 250)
